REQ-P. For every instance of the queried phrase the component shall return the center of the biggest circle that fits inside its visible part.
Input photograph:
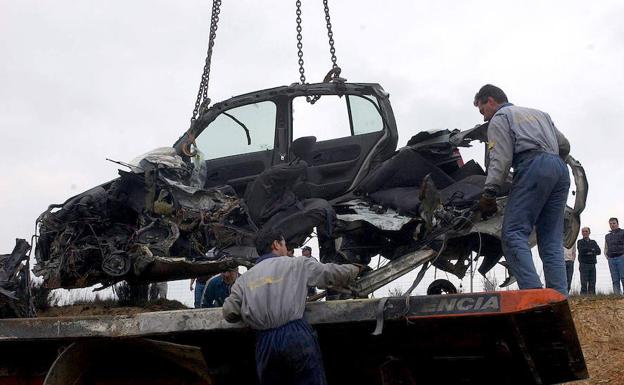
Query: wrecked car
(272, 159)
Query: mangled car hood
(136, 225)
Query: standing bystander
(158, 290)
(200, 284)
(569, 255)
(614, 250)
(218, 288)
(588, 249)
(306, 251)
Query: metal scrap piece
(15, 298)
(389, 220)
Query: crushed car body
(271, 159)
(15, 300)
(151, 224)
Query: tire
(441, 286)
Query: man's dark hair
(487, 91)
(614, 219)
(265, 239)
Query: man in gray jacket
(528, 140)
(271, 298)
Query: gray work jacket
(273, 292)
(513, 130)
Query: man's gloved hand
(487, 203)
(363, 269)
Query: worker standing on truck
(528, 140)
(271, 299)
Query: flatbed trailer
(507, 337)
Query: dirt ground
(108, 308)
(600, 326)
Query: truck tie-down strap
(381, 307)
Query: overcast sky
(81, 81)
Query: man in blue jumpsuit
(271, 299)
(528, 140)
(218, 288)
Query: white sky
(83, 81)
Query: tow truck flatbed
(508, 337)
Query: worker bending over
(528, 140)
(271, 298)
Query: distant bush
(42, 297)
(86, 299)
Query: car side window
(365, 115)
(239, 130)
(333, 117)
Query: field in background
(599, 324)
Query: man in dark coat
(614, 250)
(587, 250)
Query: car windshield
(239, 130)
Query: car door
(238, 144)
(352, 134)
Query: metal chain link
(309, 99)
(299, 43)
(335, 73)
(202, 100)
(330, 35)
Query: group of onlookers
(588, 250)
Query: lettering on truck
(456, 304)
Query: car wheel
(441, 286)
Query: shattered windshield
(240, 130)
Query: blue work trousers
(289, 355)
(588, 278)
(569, 273)
(199, 292)
(616, 267)
(538, 197)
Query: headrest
(302, 147)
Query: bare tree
(395, 292)
(489, 283)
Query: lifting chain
(202, 101)
(330, 35)
(334, 73)
(299, 43)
